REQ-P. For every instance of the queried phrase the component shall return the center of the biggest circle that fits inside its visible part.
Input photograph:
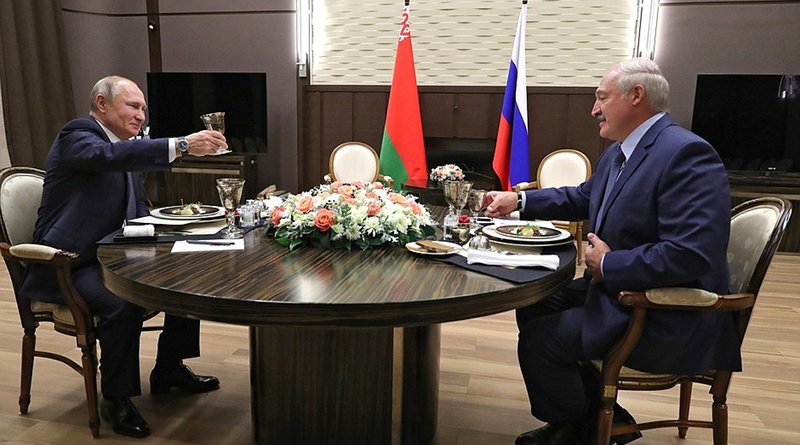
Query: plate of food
(194, 210)
(507, 234)
(528, 231)
(428, 247)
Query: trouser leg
(573, 295)
(179, 340)
(118, 332)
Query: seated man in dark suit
(659, 215)
(92, 184)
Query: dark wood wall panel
(454, 119)
(369, 118)
(337, 125)
(438, 114)
(312, 137)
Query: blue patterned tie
(616, 168)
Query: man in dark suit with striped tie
(92, 184)
(659, 216)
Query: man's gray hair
(645, 72)
(106, 87)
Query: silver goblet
(230, 193)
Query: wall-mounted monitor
(752, 120)
(176, 101)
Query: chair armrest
(40, 253)
(387, 180)
(327, 178)
(687, 299)
(525, 186)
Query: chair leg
(26, 372)
(719, 409)
(89, 362)
(605, 420)
(686, 401)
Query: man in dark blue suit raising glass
(92, 184)
(659, 215)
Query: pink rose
(276, 216)
(305, 204)
(373, 208)
(324, 219)
(346, 190)
(378, 185)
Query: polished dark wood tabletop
(268, 284)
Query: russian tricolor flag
(511, 150)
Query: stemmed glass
(230, 193)
(214, 121)
(456, 194)
(475, 204)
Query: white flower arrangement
(340, 215)
(447, 172)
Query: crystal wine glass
(475, 203)
(230, 193)
(214, 121)
(455, 193)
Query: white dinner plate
(416, 248)
(563, 237)
(207, 212)
(531, 245)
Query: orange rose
(305, 204)
(346, 189)
(324, 219)
(397, 198)
(373, 208)
(276, 216)
(371, 195)
(415, 208)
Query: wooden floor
(482, 398)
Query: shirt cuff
(171, 153)
(523, 197)
(602, 260)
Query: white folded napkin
(501, 259)
(138, 230)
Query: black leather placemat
(566, 254)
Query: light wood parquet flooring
(482, 397)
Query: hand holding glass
(230, 193)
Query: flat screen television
(752, 120)
(176, 101)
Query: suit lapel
(637, 157)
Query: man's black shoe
(623, 417)
(564, 433)
(181, 377)
(123, 417)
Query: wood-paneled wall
(558, 117)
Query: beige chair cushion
(562, 168)
(22, 194)
(354, 161)
(750, 231)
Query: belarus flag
(402, 149)
(511, 150)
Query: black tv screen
(176, 101)
(752, 120)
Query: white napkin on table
(501, 259)
(139, 230)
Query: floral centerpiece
(340, 215)
(447, 172)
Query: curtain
(34, 77)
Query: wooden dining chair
(563, 167)
(757, 227)
(20, 196)
(355, 161)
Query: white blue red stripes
(510, 161)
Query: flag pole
(408, 1)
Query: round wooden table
(344, 345)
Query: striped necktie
(617, 164)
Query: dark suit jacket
(667, 224)
(85, 194)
